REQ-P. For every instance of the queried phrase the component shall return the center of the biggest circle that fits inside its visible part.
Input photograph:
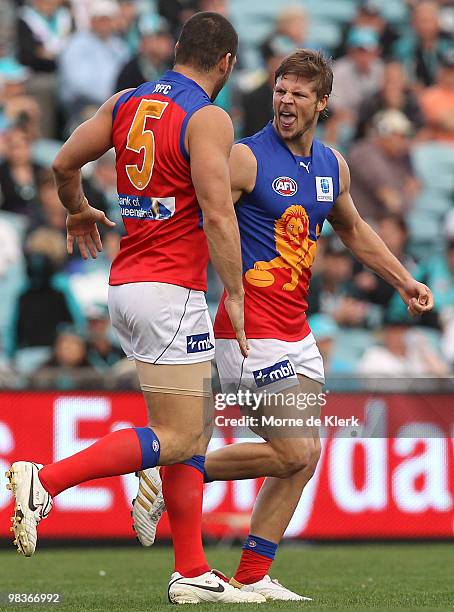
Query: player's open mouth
(287, 120)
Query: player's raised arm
(210, 140)
(369, 248)
(88, 142)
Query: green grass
(342, 577)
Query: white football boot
(148, 506)
(272, 590)
(32, 504)
(209, 587)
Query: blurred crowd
(391, 114)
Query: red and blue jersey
(164, 239)
(280, 222)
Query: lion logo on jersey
(295, 247)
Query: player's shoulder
(243, 161)
(344, 170)
(343, 166)
(210, 119)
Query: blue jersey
(280, 222)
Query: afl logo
(285, 186)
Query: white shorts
(273, 364)
(162, 324)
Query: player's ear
(322, 104)
(225, 63)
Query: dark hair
(205, 39)
(312, 65)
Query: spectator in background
(293, 22)
(90, 63)
(421, 49)
(127, 24)
(438, 270)
(395, 93)
(369, 16)
(332, 291)
(446, 14)
(70, 350)
(325, 331)
(18, 108)
(393, 230)
(225, 98)
(154, 57)
(89, 284)
(102, 353)
(50, 213)
(42, 306)
(42, 30)
(214, 6)
(18, 175)
(257, 105)
(382, 179)
(357, 76)
(177, 12)
(43, 27)
(438, 102)
(10, 248)
(404, 353)
(68, 367)
(101, 188)
(7, 19)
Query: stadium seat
(330, 10)
(28, 360)
(324, 34)
(12, 279)
(434, 165)
(425, 237)
(395, 12)
(433, 202)
(350, 345)
(44, 151)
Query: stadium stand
(324, 25)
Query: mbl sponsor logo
(199, 343)
(278, 371)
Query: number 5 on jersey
(142, 139)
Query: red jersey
(164, 239)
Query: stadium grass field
(397, 576)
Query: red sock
(117, 453)
(252, 568)
(182, 487)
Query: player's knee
(304, 456)
(185, 445)
(313, 460)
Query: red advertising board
(398, 484)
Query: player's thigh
(285, 404)
(179, 402)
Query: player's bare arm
(209, 143)
(243, 171)
(369, 248)
(87, 143)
